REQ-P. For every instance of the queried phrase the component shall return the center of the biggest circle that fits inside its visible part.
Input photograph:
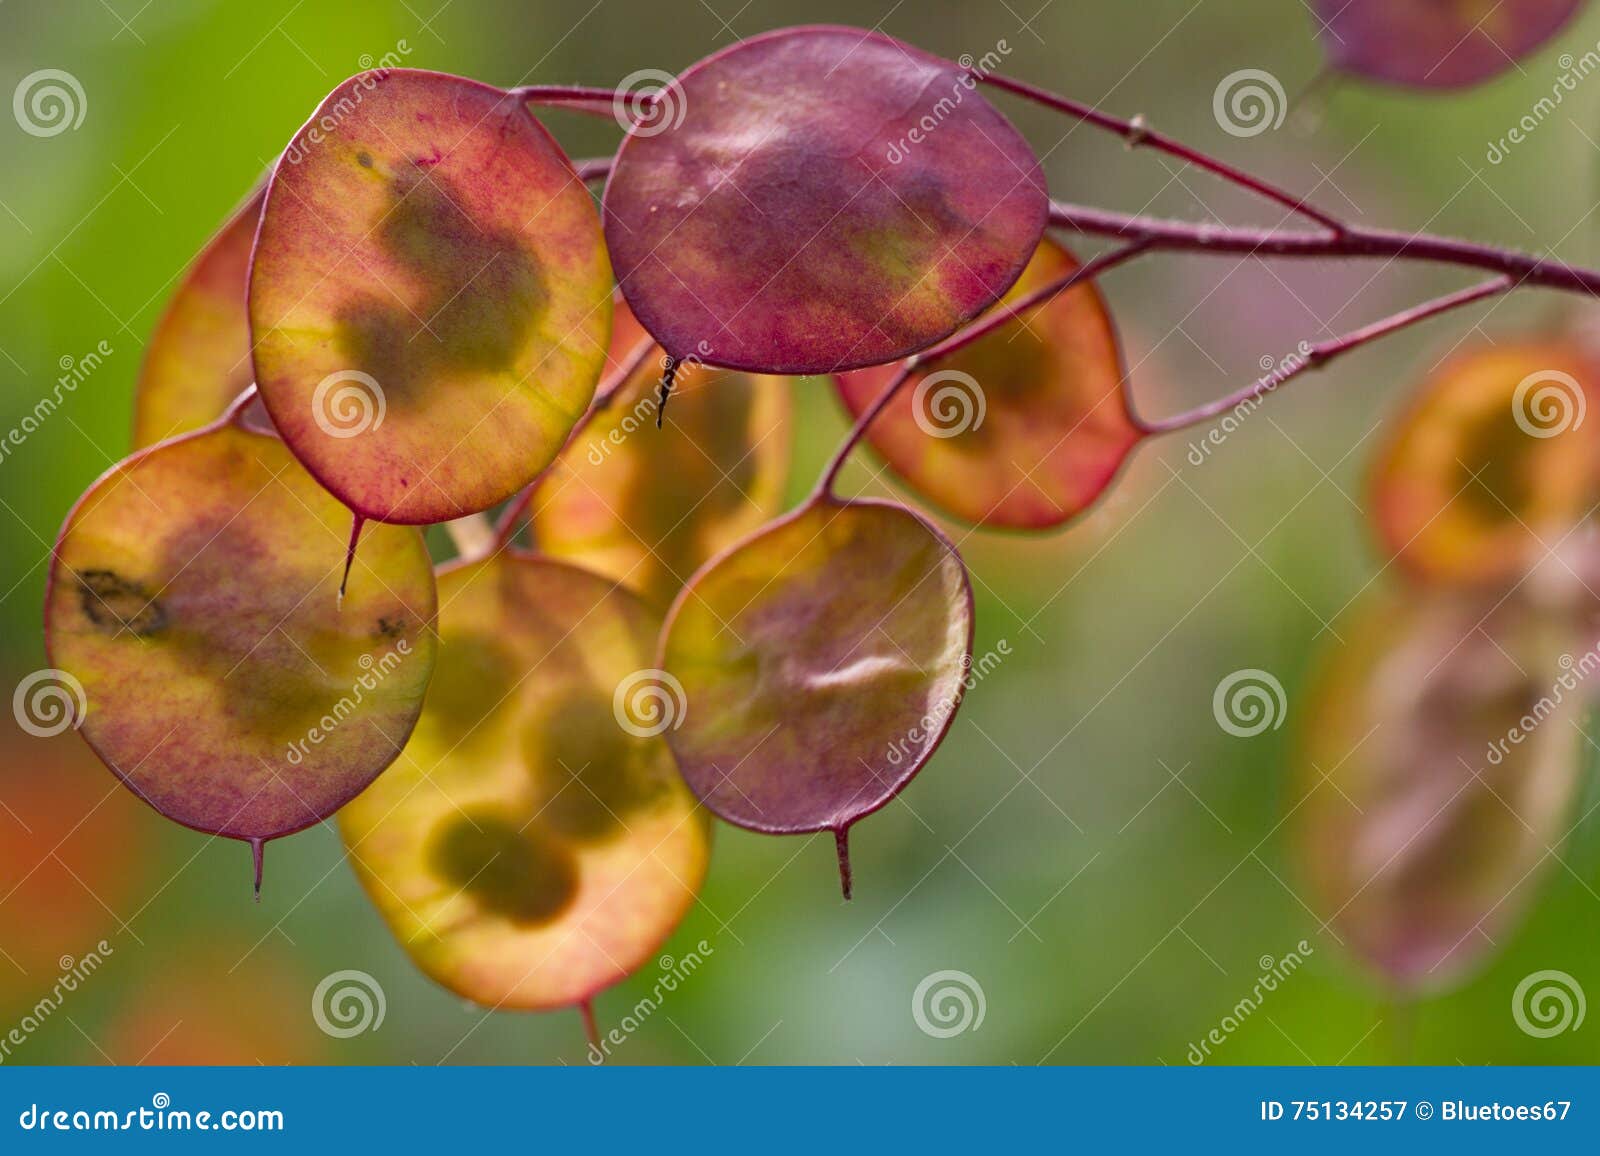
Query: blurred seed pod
(1493, 465)
(1438, 763)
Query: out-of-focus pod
(1494, 466)
(1436, 769)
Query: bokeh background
(1089, 845)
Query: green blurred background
(1108, 912)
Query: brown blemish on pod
(515, 871)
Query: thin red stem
(1354, 241)
(593, 169)
(581, 98)
(999, 316)
(506, 528)
(1316, 355)
(1138, 134)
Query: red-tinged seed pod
(1495, 460)
(193, 598)
(822, 661)
(535, 845)
(1025, 427)
(430, 298)
(1436, 43)
(819, 199)
(1436, 767)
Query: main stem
(1335, 238)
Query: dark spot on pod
(485, 292)
(592, 773)
(520, 874)
(474, 676)
(391, 627)
(364, 159)
(117, 604)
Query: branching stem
(1138, 134)
(1313, 356)
(1333, 239)
(999, 316)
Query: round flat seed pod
(648, 507)
(1438, 765)
(1436, 43)
(821, 199)
(198, 359)
(194, 596)
(535, 844)
(1023, 428)
(1496, 459)
(430, 296)
(822, 661)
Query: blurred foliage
(1089, 845)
